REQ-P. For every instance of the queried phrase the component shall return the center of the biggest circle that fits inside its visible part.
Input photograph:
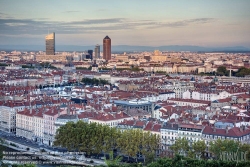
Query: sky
(207, 23)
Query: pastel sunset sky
(126, 22)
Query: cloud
(98, 21)
(41, 19)
(184, 22)
(71, 11)
(4, 15)
(40, 26)
(102, 10)
(15, 24)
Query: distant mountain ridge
(127, 48)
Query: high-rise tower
(107, 48)
(97, 51)
(50, 44)
(90, 52)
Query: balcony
(188, 135)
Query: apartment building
(112, 120)
(25, 123)
(192, 132)
(211, 134)
(189, 102)
(169, 134)
(7, 119)
(8, 112)
(38, 124)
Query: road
(62, 154)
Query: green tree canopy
(243, 71)
(94, 81)
(222, 70)
(97, 138)
(218, 146)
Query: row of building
(51, 48)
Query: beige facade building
(38, 124)
(51, 58)
(123, 58)
(7, 119)
(24, 123)
(159, 58)
(184, 68)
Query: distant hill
(127, 48)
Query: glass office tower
(50, 44)
(97, 51)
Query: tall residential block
(50, 44)
(97, 51)
(107, 48)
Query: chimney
(214, 129)
(241, 128)
(68, 110)
(152, 127)
(227, 130)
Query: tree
(245, 148)
(2, 64)
(24, 165)
(199, 148)
(180, 146)
(27, 66)
(222, 70)
(1, 149)
(218, 146)
(94, 81)
(150, 144)
(243, 71)
(202, 73)
(97, 138)
(113, 161)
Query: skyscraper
(107, 48)
(50, 44)
(90, 52)
(97, 51)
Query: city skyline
(208, 24)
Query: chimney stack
(241, 128)
(214, 129)
(68, 110)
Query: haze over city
(223, 23)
